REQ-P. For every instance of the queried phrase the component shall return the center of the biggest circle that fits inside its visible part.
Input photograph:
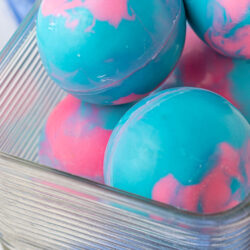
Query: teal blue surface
(222, 24)
(176, 132)
(111, 63)
(240, 79)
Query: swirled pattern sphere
(202, 67)
(186, 147)
(110, 51)
(76, 135)
(223, 24)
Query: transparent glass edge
(240, 212)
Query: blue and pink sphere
(110, 51)
(76, 135)
(202, 67)
(222, 24)
(185, 147)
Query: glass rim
(230, 216)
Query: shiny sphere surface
(223, 24)
(110, 51)
(185, 147)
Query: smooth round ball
(76, 135)
(223, 24)
(110, 51)
(185, 147)
(200, 66)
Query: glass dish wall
(41, 208)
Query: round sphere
(76, 135)
(223, 24)
(200, 66)
(110, 51)
(186, 147)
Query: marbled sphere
(76, 135)
(200, 66)
(186, 147)
(223, 24)
(110, 51)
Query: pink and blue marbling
(200, 66)
(186, 147)
(110, 51)
(223, 24)
(75, 137)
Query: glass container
(42, 208)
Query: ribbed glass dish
(41, 208)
